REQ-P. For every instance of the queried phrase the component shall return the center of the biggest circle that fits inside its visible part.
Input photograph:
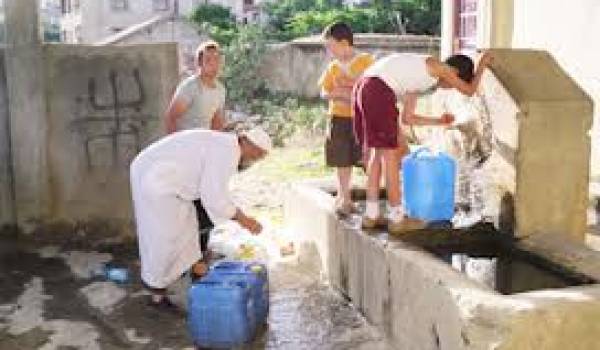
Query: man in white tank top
(399, 77)
(403, 73)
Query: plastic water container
(253, 273)
(221, 314)
(117, 274)
(112, 273)
(428, 180)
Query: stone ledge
(419, 302)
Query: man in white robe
(166, 177)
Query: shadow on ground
(50, 299)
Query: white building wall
(566, 29)
(98, 20)
(569, 30)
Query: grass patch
(294, 163)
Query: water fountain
(525, 280)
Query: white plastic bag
(235, 243)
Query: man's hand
(447, 119)
(251, 225)
(344, 81)
(218, 120)
(343, 91)
(247, 222)
(341, 94)
(486, 59)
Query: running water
(305, 314)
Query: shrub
(243, 57)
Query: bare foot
(199, 269)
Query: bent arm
(174, 112)
(409, 116)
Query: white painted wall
(98, 20)
(447, 28)
(567, 29)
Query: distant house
(2, 24)
(50, 17)
(245, 11)
(163, 29)
(89, 21)
(567, 30)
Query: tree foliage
(293, 18)
(288, 19)
(243, 57)
(217, 21)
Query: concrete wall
(77, 116)
(104, 105)
(6, 181)
(420, 302)
(540, 166)
(27, 109)
(184, 33)
(296, 67)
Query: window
(118, 5)
(65, 6)
(160, 5)
(248, 2)
(465, 34)
(77, 36)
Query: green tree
(243, 59)
(361, 20)
(214, 14)
(292, 18)
(217, 21)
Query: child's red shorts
(375, 114)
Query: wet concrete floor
(50, 299)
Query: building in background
(186, 34)
(245, 11)
(2, 24)
(50, 18)
(90, 21)
(566, 32)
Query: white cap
(259, 138)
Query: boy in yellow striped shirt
(336, 83)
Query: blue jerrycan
(255, 274)
(428, 180)
(221, 313)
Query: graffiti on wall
(111, 124)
